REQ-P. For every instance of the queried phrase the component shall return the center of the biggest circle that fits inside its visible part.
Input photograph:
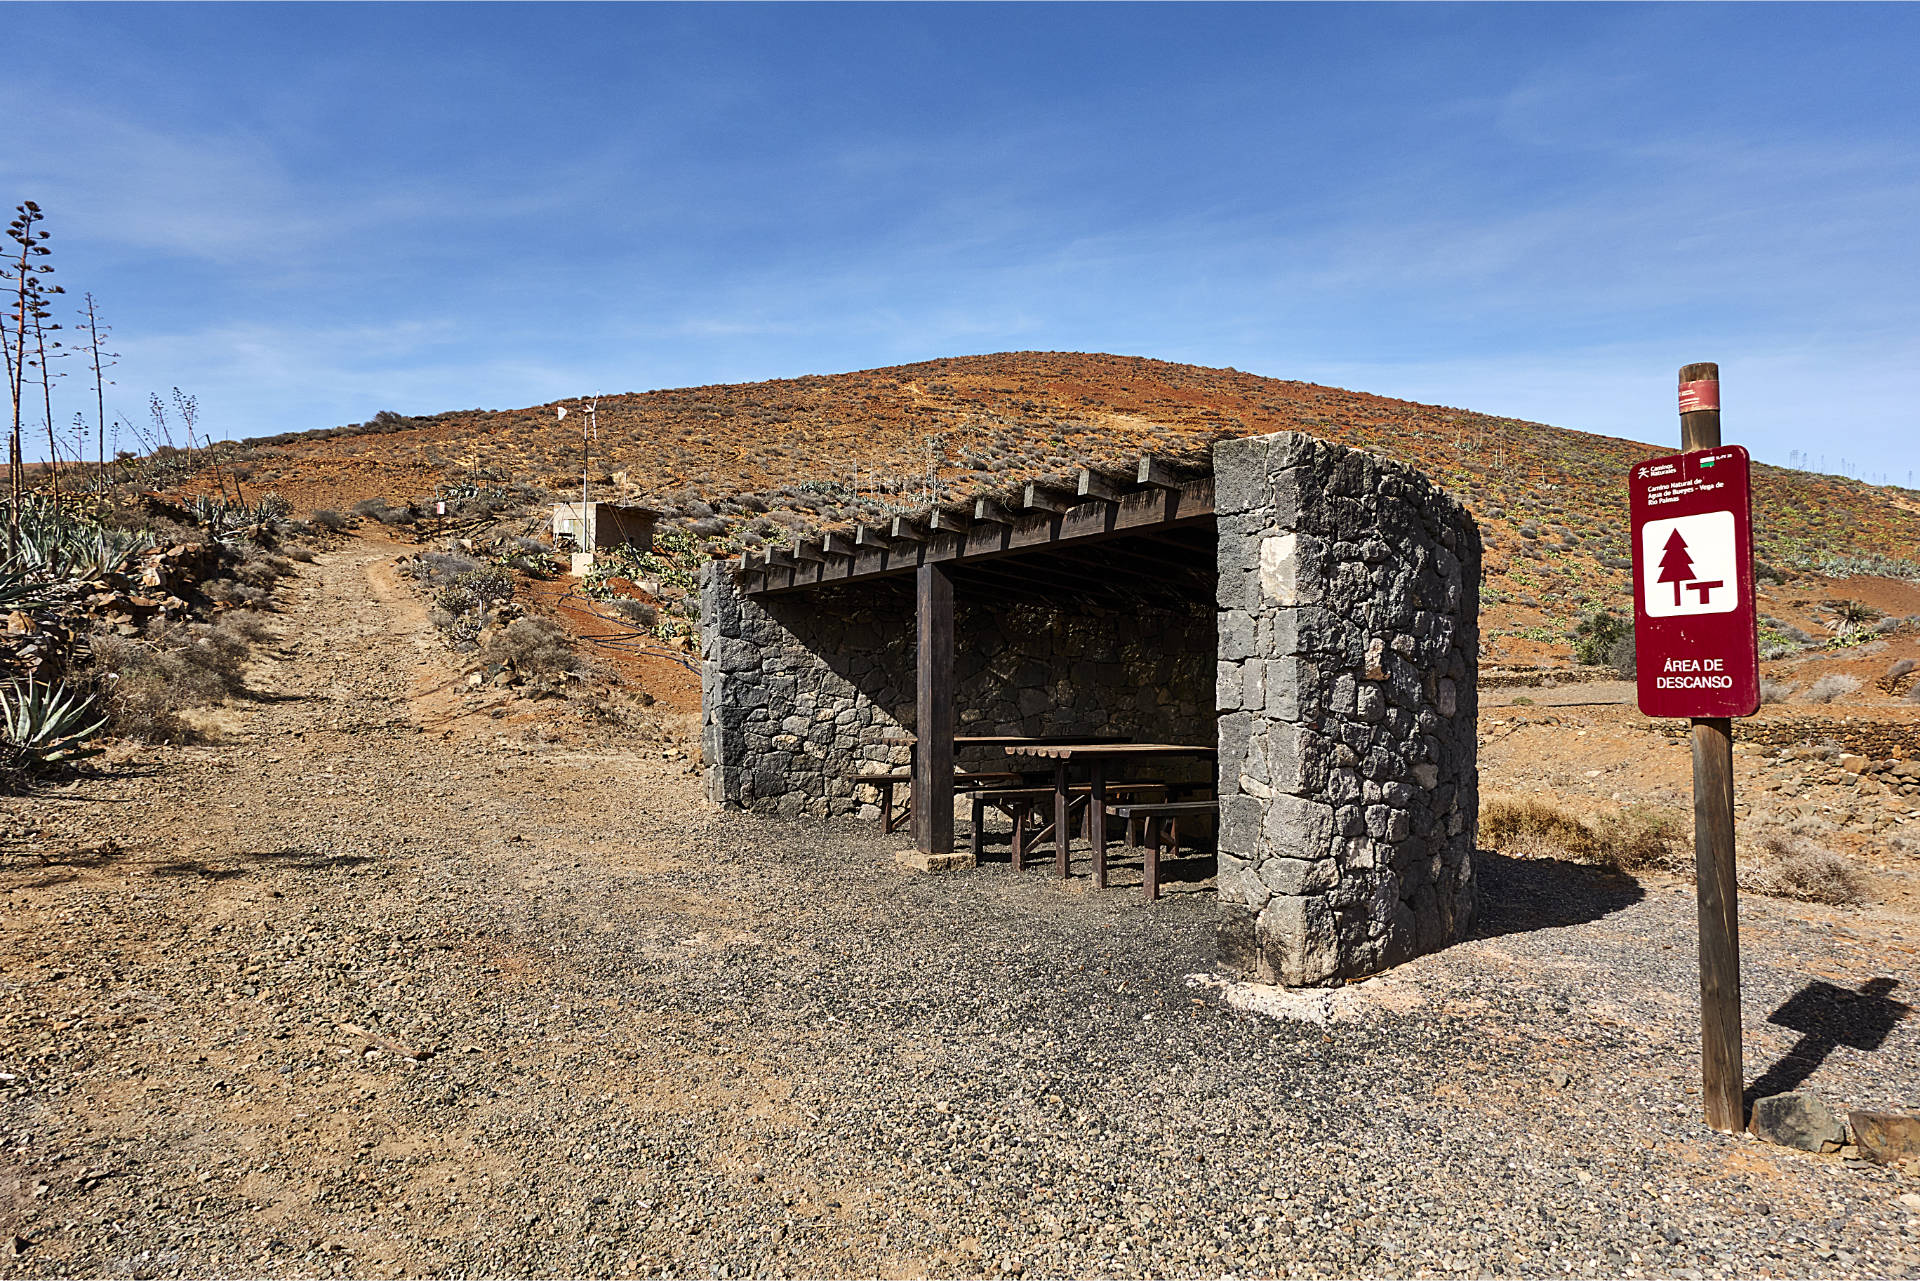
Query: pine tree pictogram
(1676, 565)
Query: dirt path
(377, 987)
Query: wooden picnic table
(1097, 756)
(908, 738)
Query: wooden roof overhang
(1053, 524)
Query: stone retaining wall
(1349, 598)
(796, 689)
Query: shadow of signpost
(1828, 1017)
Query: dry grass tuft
(1637, 839)
(1777, 861)
(1531, 828)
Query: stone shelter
(1308, 609)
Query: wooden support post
(1722, 1066)
(1097, 823)
(933, 700)
(1062, 825)
(1150, 861)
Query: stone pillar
(1348, 638)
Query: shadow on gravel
(1828, 1017)
(194, 867)
(267, 696)
(301, 860)
(1521, 894)
(71, 862)
(306, 860)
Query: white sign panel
(1690, 565)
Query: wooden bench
(963, 781)
(1162, 823)
(1019, 803)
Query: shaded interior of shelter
(1117, 637)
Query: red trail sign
(1695, 647)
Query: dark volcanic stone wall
(796, 689)
(1349, 599)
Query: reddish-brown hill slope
(825, 449)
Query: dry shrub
(1788, 866)
(332, 520)
(150, 679)
(228, 592)
(1831, 686)
(640, 613)
(1773, 691)
(300, 552)
(1630, 840)
(535, 646)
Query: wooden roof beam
(1096, 488)
(986, 511)
(868, 538)
(942, 521)
(1155, 472)
(1044, 498)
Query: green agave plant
(18, 590)
(59, 541)
(230, 521)
(48, 723)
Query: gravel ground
(369, 990)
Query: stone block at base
(922, 862)
(1797, 1120)
(1886, 1137)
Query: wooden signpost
(1696, 654)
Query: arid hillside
(740, 465)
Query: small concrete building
(1308, 609)
(604, 525)
(601, 526)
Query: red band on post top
(1700, 395)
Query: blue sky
(303, 214)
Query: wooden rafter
(1086, 508)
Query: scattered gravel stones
(657, 1039)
